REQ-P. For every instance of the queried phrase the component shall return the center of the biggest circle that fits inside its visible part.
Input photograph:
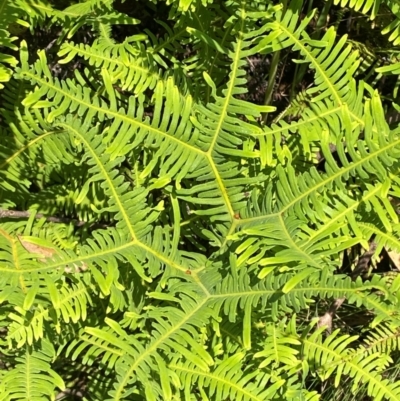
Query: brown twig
(364, 262)
(22, 214)
(327, 318)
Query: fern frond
(384, 339)
(359, 368)
(238, 291)
(178, 156)
(278, 352)
(32, 376)
(296, 197)
(218, 383)
(173, 331)
(29, 320)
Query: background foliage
(199, 200)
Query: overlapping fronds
(131, 68)
(157, 229)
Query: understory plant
(199, 200)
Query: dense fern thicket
(199, 200)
